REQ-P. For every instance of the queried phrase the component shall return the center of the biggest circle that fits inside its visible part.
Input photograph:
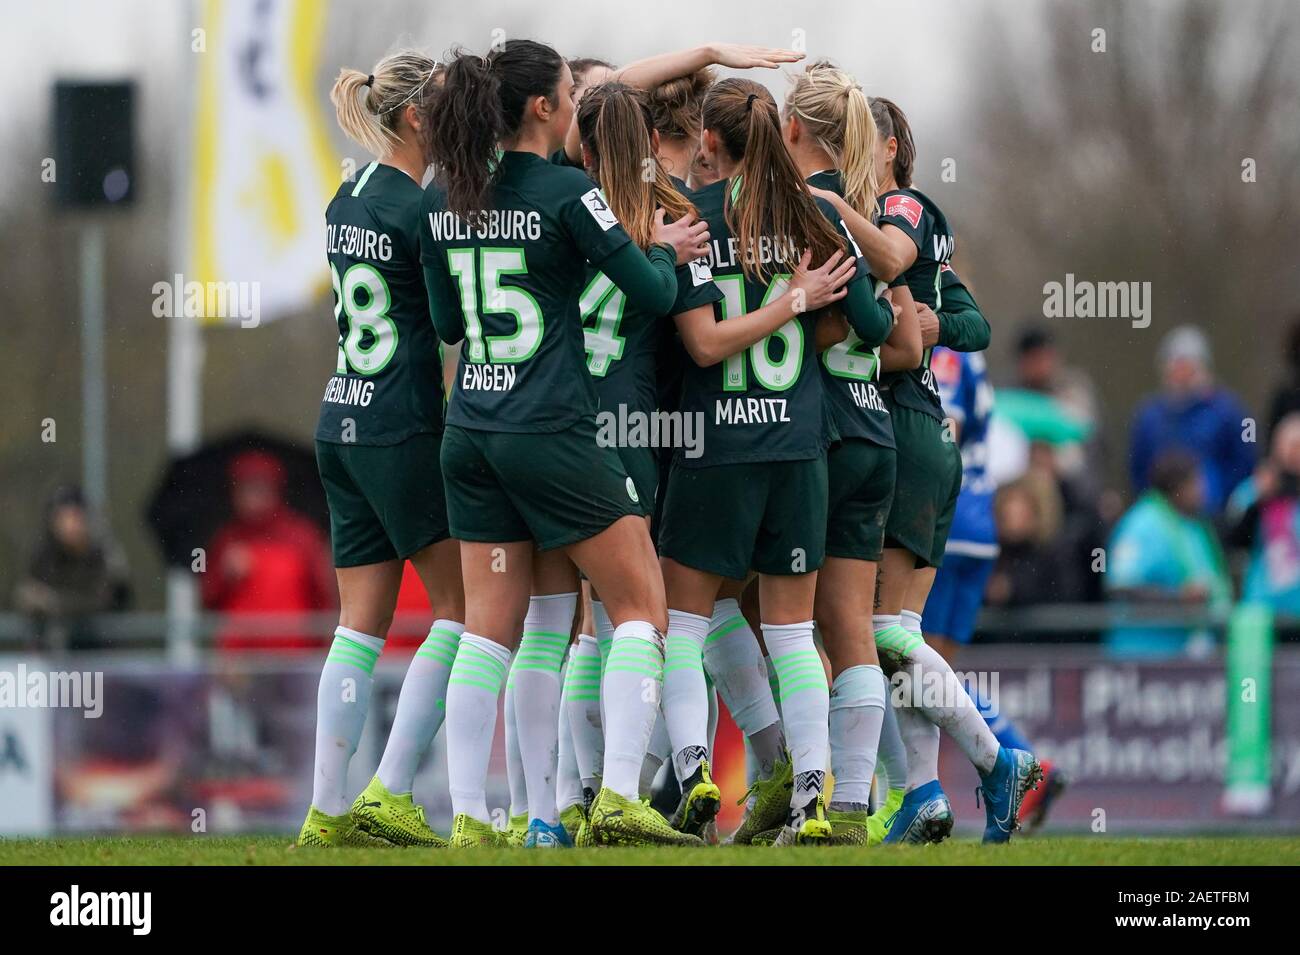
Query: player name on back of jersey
(499, 225)
(750, 411)
(358, 242)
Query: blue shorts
(956, 596)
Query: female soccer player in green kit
(756, 497)
(506, 236)
(377, 444)
(831, 136)
(911, 238)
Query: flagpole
(184, 363)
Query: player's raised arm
(653, 70)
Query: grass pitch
(279, 850)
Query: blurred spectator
(1264, 515)
(267, 559)
(1164, 553)
(1286, 398)
(74, 573)
(1191, 413)
(1039, 368)
(1028, 515)
(1080, 531)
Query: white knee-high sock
(568, 784)
(952, 710)
(805, 705)
(582, 701)
(857, 710)
(536, 674)
(604, 638)
(420, 706)
(734, 662)
(514, 758)
(686, 696)
(892, 754)
(342, 701)
(632, 688)
(660, 748)
(472, 692)
(920, 736)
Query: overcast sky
(148, 40)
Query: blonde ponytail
(368, 107)
(837, 114)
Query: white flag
(261, 168)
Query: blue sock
(1001, 726)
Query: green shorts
(554, 489)
(642, 466)
(860, 479)
(386, 502)
(729, 518)
(926, 488)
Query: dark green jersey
(387, 384)
(925, 224)
(765, 403)
(962, 326)
(671, 358)
(518, 277)
(851, 369)
(622, 339)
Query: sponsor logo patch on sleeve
(904, 206)
(599, 209)
(700, 272)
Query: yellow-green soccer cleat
(468, 833)
(766, 804)
(394, 817)
(767, 837)
(806, 826)
(701, 800)
(320, 831)
(848, 828)
(878, 822)
(573, 819)
(517, 830)
(618, 821)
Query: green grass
(277, 850)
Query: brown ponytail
(768, 196)
(890, 121)
(481, 102)
(615, 124)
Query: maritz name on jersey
(358, 242)
(475, 377)
(770, 249)
(867, 397)
(349, 391)
(750, 411)
(505, 225)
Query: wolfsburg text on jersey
(505, 225)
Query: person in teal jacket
(1163, 553)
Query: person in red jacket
(268, 559)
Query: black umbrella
(193, 498)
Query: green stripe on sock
(734, 623)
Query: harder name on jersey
(500, 224)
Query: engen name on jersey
(476, 377)
(357, 242)
(750, 411)
(506, 225)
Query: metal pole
(184, 368)
(94, 396)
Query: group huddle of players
(650, 244)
